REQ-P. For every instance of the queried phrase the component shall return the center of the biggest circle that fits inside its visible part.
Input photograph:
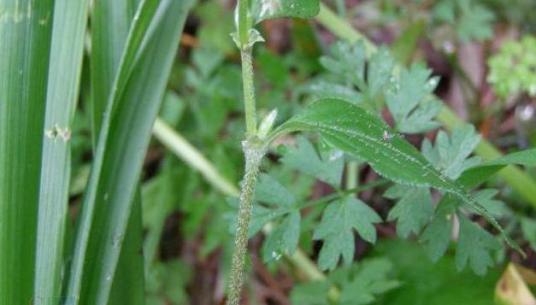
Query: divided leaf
(306, 159)
(348, 64)
(363, 282)
(411, 103)
(471, 20)
(451, 153)
(337, 226)
(437, 234)
(474, 247)
(413, 211)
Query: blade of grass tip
(109, 43)
(123, 140)
(25, 29)
(69, 25)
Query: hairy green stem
(254, 156)
(513, 175)
(249, 92)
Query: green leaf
(437, 234)
(305, 159)
(283, 239)
(25, 36)
(428, 283)
(107, 42)
(355, 131)
(471, 20)
(364, 282)
(478, 174)
(68, 33)
(270, 9)
(411, 104)
(134, 102)
(413, 211)
(337, 230)
(271, 191)
(528, 227)
(313, 293)
(496, 207)
(347, 62)
(451, 153)
(474, 246)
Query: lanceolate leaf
(69, 26)
(123, 139)
(25, 31)
(355, 131)
(478, 174)
(270, 9)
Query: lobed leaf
(413, 210)
(336, 230)
(305, 159)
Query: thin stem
(191, 156)
(249, 92)
(253, 160)
(243, 23)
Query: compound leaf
(306, 159)
(336, 229)
(474, 247)
(451, 153)
(413, 210)
(411, 103)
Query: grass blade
(69, 25)
(24, 47)
(110, 25)
(123, 139)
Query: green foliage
(451, 153)
(270, 9)
(411, 103)
(359, 284)
(336, 230)
(474, 247)
(351, 81)
(413, 210)
(428, 283)
(529, 230)
(166, 283)
(478, 174)
(512, 69)
(472, 20)
(305, 159)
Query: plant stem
(249, 92)
(191, 156)
(253, 156)
(513, 175)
